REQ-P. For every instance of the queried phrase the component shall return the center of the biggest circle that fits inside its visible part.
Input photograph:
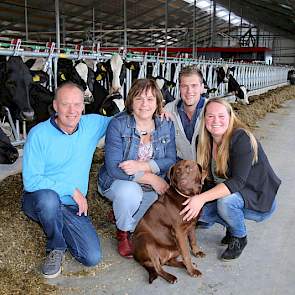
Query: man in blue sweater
(56, 164)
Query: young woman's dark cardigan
(258, 183)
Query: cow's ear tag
(103, 68)
(132, 68)
(98, 77)
(62, 76)
(36, 78)
(104, 112)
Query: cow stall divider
(254, 77)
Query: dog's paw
(199, 253)
(172, 279)
(195, 273)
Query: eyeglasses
(140, 99)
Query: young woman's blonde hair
(204, 148)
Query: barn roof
(103, 21)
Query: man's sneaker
(235, 248)
(52, 264)
(226, 238)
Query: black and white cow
(41, 97)
(222, 74)
(78, 73)
(108, 97)
(165, 86)
(291, 77)
(240, 91)
(207, 91)
(97, 98)
(8, 153)
(41, 100)
(225, 75)
(112, 72)
(15, 83)
(113, 104)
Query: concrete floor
(266, 266)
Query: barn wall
(284, 51)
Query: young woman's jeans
(64, 229)
(230, 212)
(130, 203)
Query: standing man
(187, 111)
(56, 164)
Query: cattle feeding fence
(254, 77)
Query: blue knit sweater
(61, 162)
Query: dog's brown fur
(162, 235)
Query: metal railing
(252, 76)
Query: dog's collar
(179, 192)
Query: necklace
(148, 128)
(145, 132)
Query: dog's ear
(170, 172)
(203, 173)
(171, 176)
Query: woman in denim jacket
(139, 150)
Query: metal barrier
(252, 76)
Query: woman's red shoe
(124, 244)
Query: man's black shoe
(235, 248)
(226, 238)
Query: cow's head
(165, 86)
(113, 104)
(291, 74)
(17, 83)
(223, 73)
(86, 80)
(117, 75)
(79, 74)
(242, 95)
(113, 72)
(134, 67)
(101, 71)
(209, 92)
(39, 77)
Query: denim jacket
(122, 143)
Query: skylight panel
(221, 12)
(202, 4)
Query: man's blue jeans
(64, 229)
(230, 212)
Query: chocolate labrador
(162, 235)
